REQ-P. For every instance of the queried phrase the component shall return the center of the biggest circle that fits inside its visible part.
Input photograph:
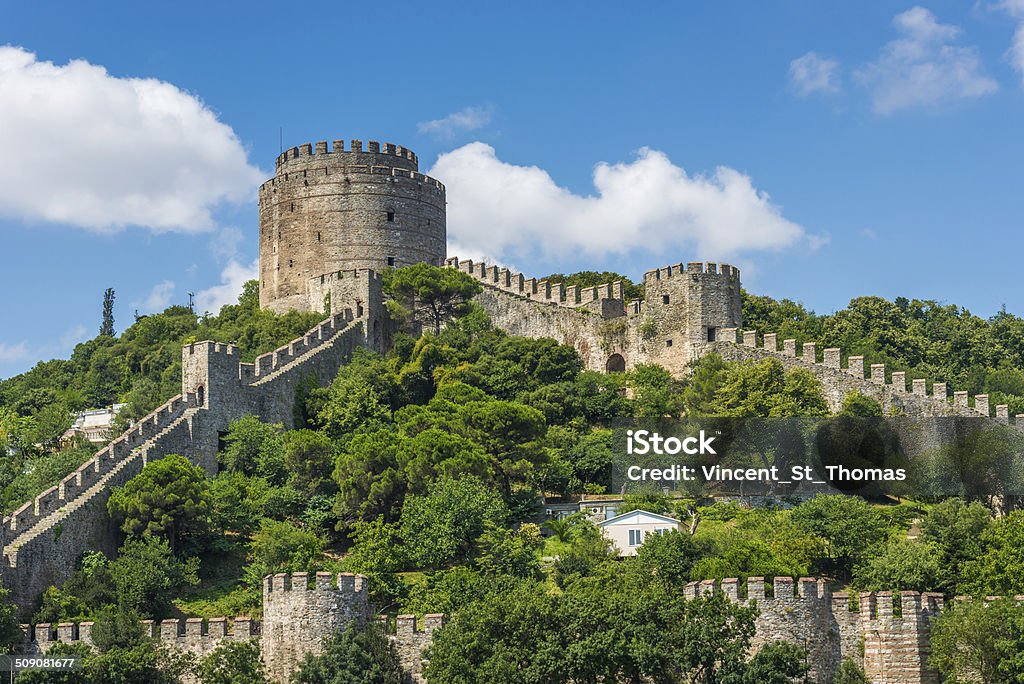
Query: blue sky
(830, 151)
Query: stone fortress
(330, 223)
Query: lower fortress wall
(890, 640)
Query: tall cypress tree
(107, 327)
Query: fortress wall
(340, 210)
(838, 380)
(274, 396)
(594, 338)
(412, 639)
(299, 611)
(44, 538)
(890, 641)
(831, 628)
(48, 552)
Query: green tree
(850, 672)
(999, 570)
(779, 662)
(443, 525)
(669, 557)
(235, 662)
(980, 641)
(146, 575)
(283, 547)
(903, 564)
(858, 405)
(253, 447)
(308, 457)
(850, 528)
(107, 326)
(10, 633)
(434, 295)
(957, 528)
(168, 498)
(357, 655)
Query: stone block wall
(891, 645)
(43, 539)
(343, 209)
(609, 333)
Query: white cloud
(813, 73)
(1016, 52)
(922, 68)
(73, 336)
(232, 279)
(93, 150)
(159, 298)
(13, 352)
(464, 120)
(514, 212)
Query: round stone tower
(342, 209)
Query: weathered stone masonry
(43, 540)
(299, 610)
(890, 640)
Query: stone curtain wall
(43, 540)
(683, 303)
(325, 211)
(890, 640)
(892, 646)
(841, 375)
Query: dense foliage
(928, 339)
(424, 469)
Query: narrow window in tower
(318, 236)
(664, 299)
(391, 217)
(290, 263)
(668, 343)
(391, 261)
(293, 206)
(711, 334)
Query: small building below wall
(629, 530)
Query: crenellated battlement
(338, 148)
(889, 387)
(692, 268)
(541, 291)
(283, 585)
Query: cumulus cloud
(813, 73)
(159, 298)
(232, 278)
(1015, 54)
(923, 67)
(13, 352)
(102, 152)
(515, 211)
(462, 121)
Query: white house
(629, 530)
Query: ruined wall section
(411, 640)
(344, 209)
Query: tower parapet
(344, 208)
(299, 609)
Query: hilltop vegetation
(423, 469)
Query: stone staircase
(119, 473)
